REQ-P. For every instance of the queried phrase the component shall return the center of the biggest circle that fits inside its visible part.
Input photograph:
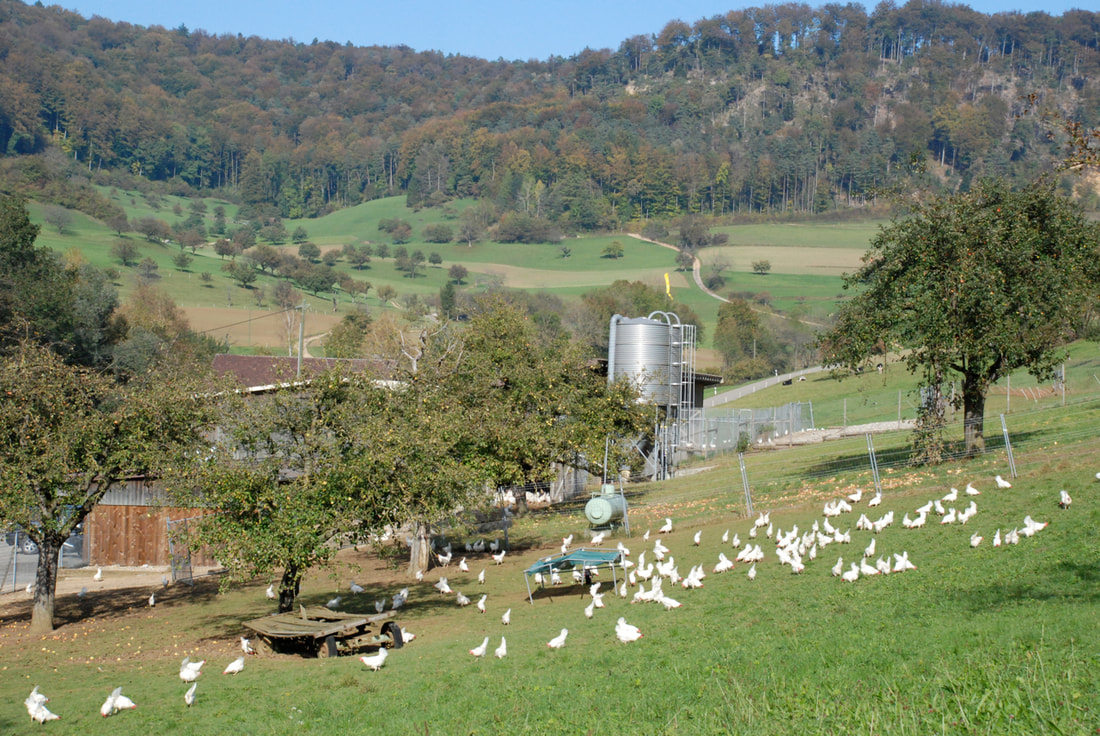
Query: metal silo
(657, 354)
(641, 349)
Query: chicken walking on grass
(375, 661)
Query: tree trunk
(45, 585)
(289, 587)
(973, 415)
(420, 551)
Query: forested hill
(780, 108)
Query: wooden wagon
(318, 631)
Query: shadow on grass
(900, 456)
(106, 605)
(1062, 585)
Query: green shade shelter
(583, 557)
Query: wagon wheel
(327, 647)
(394, 631)
(262, 647)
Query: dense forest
(782, 108)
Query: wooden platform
(323, 632)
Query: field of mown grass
(974, 641)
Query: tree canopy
(974, 285)
(346, 455)
(67, 434)
(775, 108)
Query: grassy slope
(874, 398)
(974, 641)
(536, 267)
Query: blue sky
(491, 29)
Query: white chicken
(190, 671)
(375, 661)
(502, 651)
(626, 632)
(507, 617)
(479, 650)
(42, 714)
(481, 604)
(234, 667)
(558, 641)
(108, 708)
(189, 696)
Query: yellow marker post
(668, 287)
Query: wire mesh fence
(19, 558)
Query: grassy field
(894, 394)
(974, 641)
(806, 262)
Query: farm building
(131, 526)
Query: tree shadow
(1069, 582)
(954, 451)
(115, 603)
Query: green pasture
(873, 397)
(974, 641)
(855, 235)
(807, 260)
(137, 205)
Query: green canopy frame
(583, 557)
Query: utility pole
(301, 335)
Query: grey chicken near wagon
(319, 631)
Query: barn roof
(251, 371)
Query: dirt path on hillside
(697, 275)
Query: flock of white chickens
(794, 548)
(116, 701)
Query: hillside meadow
(978, 640)
(806, 262)
(843, 400)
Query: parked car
(23, 544)
(17, 538)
